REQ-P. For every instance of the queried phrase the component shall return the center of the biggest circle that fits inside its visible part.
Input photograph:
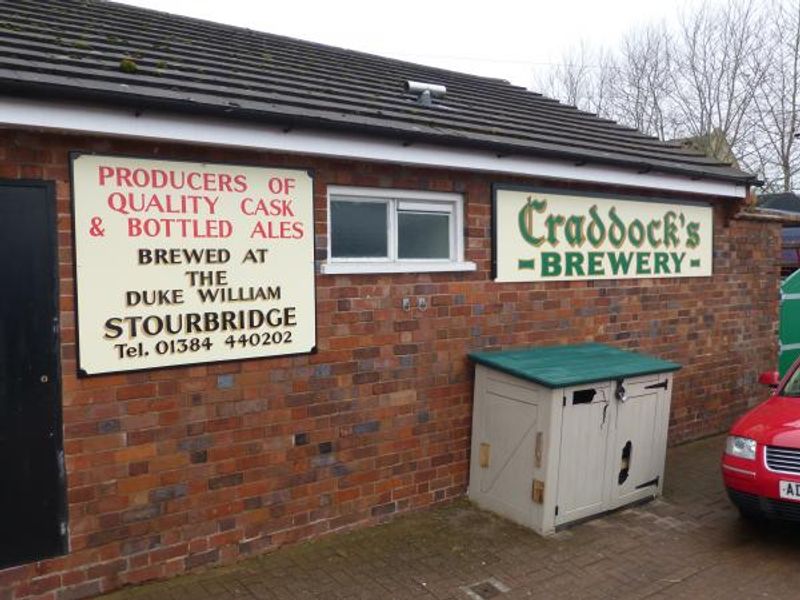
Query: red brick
(232, 449)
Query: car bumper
(755, 490)
(760, 506)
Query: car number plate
(790, 490)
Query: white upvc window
(376, 230)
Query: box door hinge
(556, 509)
(537, 491)
(646, 484)
(483, 455)
(655, 386)
(563, 401)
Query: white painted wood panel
(102, 119)
(582, 469)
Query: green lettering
(651, 236)
(551, 264)
(553, 222)
(636, 233)
(692, 230)
(642, 263)
(526, 263)
(616, 233)
(573, 231)
(596, 263)
(620, 262)
(574, 262)
(677, 259)
(525, 220)
(596, 232)
(670, 230)
(662, 263)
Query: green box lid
(563, 366)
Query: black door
(32, 485)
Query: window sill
(354, 268)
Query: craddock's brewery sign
(181, 263)
(542, 235)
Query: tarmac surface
(690, 544)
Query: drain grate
(484, 590)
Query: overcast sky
(497, 38)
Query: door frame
(48, 188)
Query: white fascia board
(98, 119)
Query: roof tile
(129, 55)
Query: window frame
(390, 218)
(398, 200)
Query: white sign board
(544, 235)
(182, 263)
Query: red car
(761, 463)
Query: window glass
(358, 229)
(423, 235)
(792, 387)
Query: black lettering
(176, 327)
(208, 294)
(113, 328)
(228, 320)
(193, 323)
(273, 317)
(210, 321)
(145, 256)
(255, 319)
(152, 325)
(132, 298)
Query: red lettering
(191, 180)
(241, 183)
(134, 227)
(282, 230)
(141, 177)
(224, 183)
(284, 186)
(258, 231)
(160, 178)
(185, 228)
(152, 227)
(243, 206)
(123, 176)
(104, 173)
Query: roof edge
(768, 215)
(186, 106)
(164, 125)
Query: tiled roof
(110, 52)
(785, 201)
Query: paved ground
(688, 545)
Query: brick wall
(173, 469)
